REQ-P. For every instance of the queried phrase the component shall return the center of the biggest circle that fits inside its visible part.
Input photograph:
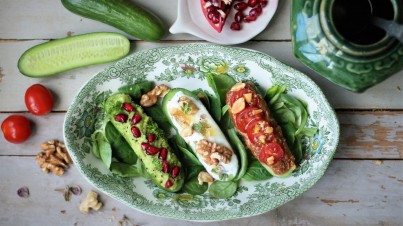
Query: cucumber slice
(73, 52)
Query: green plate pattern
(186, 66)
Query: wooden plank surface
(363, 185)
(338, 97)
(334, 200)
(363, 135)
(48, 19)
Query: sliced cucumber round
(64, 54)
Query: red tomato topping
(259, 132)
(269, 150)
(245, 116)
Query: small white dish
(192, 21)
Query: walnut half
(213, 153)
(150, 98)
(54, 157)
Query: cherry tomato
(259, 132)
(38, 99)
(271, 149)
(245, 116)
(16, 128)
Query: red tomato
(245, 116)
(38, 99)
(16, 128)
(256, 131)
(271, 149)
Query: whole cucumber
(122, 14)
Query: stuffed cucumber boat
(146, 140)
(192, 121)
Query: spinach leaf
(137, 89)
(241, 151)
(121, 150)
(105, 150)
(203, 97)
(124, 170)
(194, 188)
(256, 172)
(223, 189)
(192, 159)
(158, 116)
(223, 83)
(141, 169)
(97, 135)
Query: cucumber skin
(48, 45)
(122, 14)
(112, 107)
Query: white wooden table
(363, 185)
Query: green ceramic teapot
(337, 39)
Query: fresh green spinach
(124, 170)
(137, 90)
(223, 189)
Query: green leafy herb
(292, 115)
(157, 114)
(256, 172)
(124, 170)
(194, 188)
(223, 189)
(185, 107)
(101, 147)
(137, 90)
(121, 150)
(241, 151)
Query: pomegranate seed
(165, 166)
(121, 118)
(210, 9)
(216, 18)
(163, 154)
(175, 171)
(249, 19)
(136, 119)
(235, 26)
(252, 3)
(152, 150)
(240, 6)
(144, 146)
(151, 137)
(264, 3)
(210, 15)
(239, 17)
(169, 184)
(128, 107)
(255, 12)
(136, 132)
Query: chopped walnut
(204, 177)
(54, 157)
(238, 106)
(150, 98)
(238, 86)
(213, 153)
(90, 202)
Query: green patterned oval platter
(186, 66)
